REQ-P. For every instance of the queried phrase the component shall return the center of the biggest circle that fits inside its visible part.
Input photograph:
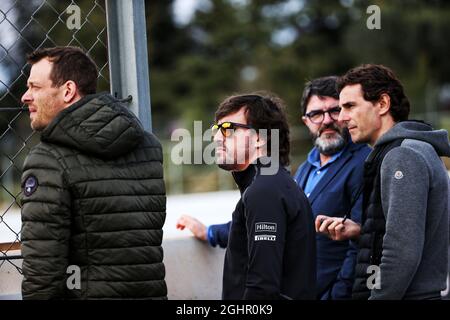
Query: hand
(197, 228)
(335, 229)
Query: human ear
(70, 91)
(304, 119)
(385, 103)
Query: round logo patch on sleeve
(398, 175)
(31, 184)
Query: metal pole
(127, 50)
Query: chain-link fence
(26, 25)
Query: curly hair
(376, 80)
(262, 112)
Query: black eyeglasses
(317, 116)
(227, 128)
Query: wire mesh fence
(27, 25)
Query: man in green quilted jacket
(93, 202)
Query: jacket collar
(333, 170)
(246, 177)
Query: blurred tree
(167, 44)
(233, 46)
(237, 46)
(411, 41)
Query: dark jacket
(374, 222)
(410, 190)
(94, 198)
(271, 247)
(333, 196)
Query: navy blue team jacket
(271, 247)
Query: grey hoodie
(415, 200)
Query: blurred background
(201, 51)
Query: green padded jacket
(93, 207)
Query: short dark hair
(69, 63)
(376, 80)
(262, 112)
(321, 87)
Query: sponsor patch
(265, 227)
(265, 237)
(30, 185)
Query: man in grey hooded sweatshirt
(404, 238)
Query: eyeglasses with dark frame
(317, 116)
(227, 128)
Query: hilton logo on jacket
(265, 227)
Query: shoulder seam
(418, 154)
(51, 150)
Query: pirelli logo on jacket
(265, 237)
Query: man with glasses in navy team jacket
(331, 178)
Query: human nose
(218, 136)
(26, 98)
(327, 119)
(343, 116)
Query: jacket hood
(97, 124)
(419, 131)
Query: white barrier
(193, 268)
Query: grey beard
(328, 148)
